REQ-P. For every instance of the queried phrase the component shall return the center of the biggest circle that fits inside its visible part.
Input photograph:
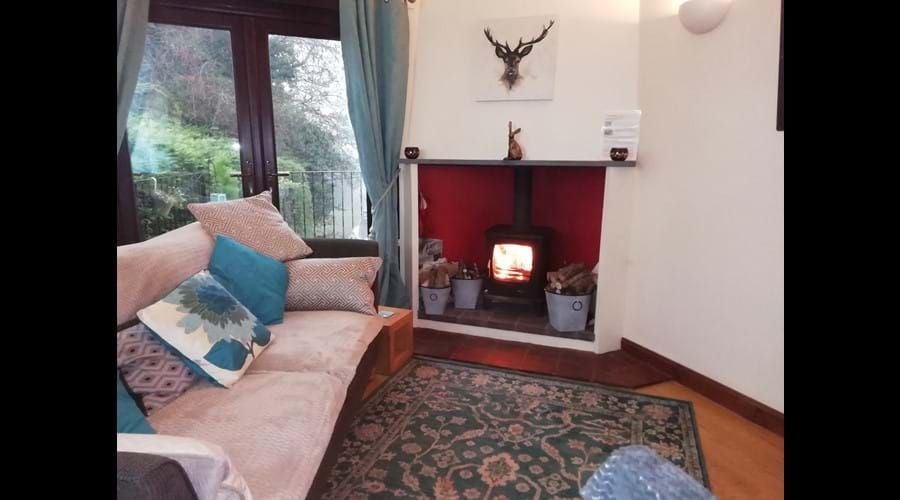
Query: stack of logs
(437, 274)
(468, 273)
(572, 279)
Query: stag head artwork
(512, 57)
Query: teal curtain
(375, 43)
(131, 28)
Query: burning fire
(511, 262)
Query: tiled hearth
(613, 368)
(507, 317)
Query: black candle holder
(618, 154)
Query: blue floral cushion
(208, 327)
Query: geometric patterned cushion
(153, 374)
(341, 284)
(254, 222)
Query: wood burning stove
(518, 253)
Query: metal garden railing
(316, 204)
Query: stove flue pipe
(522, 197)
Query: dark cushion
(141, 476)
(337, 248)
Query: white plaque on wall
(515, 58)
(621, 129)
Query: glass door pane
(315, 171)
(182, 127)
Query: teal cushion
(128, 416)
(258, 281)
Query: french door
(234, 98)
(190, 126)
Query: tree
(183, 129)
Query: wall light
(700, 16)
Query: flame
(511, 262)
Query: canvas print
(516, 58)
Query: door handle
(249, 168)
(275, 174)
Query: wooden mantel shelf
(517, 163)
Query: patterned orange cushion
(254, 222)
(332, 284)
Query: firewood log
(567, 272)
(437, 274)
(572, 279)
(425, 276)
(575, 278)
(582, 285)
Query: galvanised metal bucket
(435, 299)
(568, 313)
(466, 292)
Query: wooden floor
(743, 459)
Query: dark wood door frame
(288, 10)
(166, 13)
(315, 25)
(249, 23)
(127, 224)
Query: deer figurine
(512, 57)
(515, 150)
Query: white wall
(692, 250)
(596, 70)
(706, 283)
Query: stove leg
(541, 308)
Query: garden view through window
(184, 139)
(323, 195)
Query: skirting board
(497, 334)
(744, 406)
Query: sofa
(283, 422)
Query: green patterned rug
(449, 430)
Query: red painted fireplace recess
(464, 202)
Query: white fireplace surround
(444, 119)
